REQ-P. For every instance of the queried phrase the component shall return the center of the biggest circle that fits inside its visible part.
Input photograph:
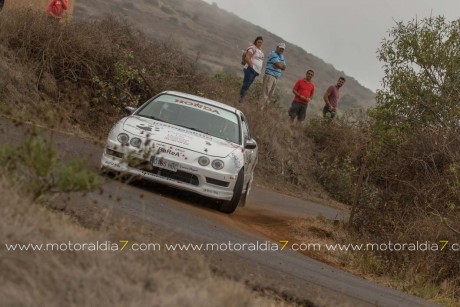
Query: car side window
(246, 135)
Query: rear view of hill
(218, 37)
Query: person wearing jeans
(249, 76)
(253, 66)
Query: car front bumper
(188, 177)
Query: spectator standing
(303, 91)
(331, 98)
(57, 8)
(275, 64)
(253, 67)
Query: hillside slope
(217, 38)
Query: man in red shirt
(57, 8)
(303, 91)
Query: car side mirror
(129, 110)
(250, 144)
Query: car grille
(178, 175)
(114, 153)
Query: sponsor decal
(189, 169)
(198, 106)
(144, 128)
(178, 138)
(130, 125)
(211, 191)
(152, 175)
(148, 174)
(181, 129)
(173, 152)
(168, 151)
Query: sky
(344, 33)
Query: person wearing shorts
(303, 91)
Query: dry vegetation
(106, 277)
(79, 76)
(401, 191)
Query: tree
(422, 75)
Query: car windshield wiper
(155, 118)
(194, 129)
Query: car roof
(202, 99)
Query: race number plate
(163, 163)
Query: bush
(37, 169)
(403, 188)
(340, 149)
(105, 62)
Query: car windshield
(194, 115)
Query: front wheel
(229, 206)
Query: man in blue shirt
(275, 64)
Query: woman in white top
(253, 67)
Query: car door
(250, 155)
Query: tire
(244, 197)
(229, 206)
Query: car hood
(178, 136)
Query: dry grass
(100, 278)
(39, 5)
(320, 232)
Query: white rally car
(187, 142)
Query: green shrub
(37, 169)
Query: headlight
(136, 142)
(217, 164)
(123, 138)
(203, 161)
